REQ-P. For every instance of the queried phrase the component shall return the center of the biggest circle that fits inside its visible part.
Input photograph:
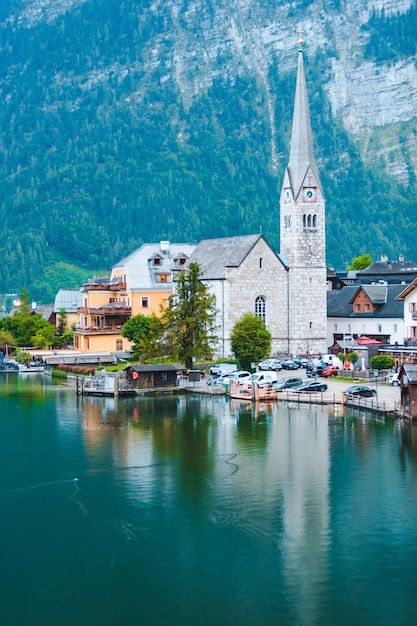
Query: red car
(329, 372)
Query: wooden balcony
(98, 330)
(104, 286)
(106, 310)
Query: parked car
(236, 377)
(288, 364)
(360, 390)
(221, 380)
(393, 379)
(313, 386)
(223, 368)
(212, 380)
(329, 372)
(286, 383)
(314, 370)
(301, 362)
(270, 364)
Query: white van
(332, 360)
(223, 368)
(262, 378)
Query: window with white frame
(260, 307)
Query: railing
(98, 330)
(105, 309)
(104, 286)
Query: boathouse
(153, 376)
(408, 381)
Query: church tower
(302, 233)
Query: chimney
(401, 258)
(165, 247)
(383, 258)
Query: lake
(197, 510)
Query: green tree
(24, 328)
(188, 319)
(62, 322)
(352, 357)
(67, 338)
(361, 262)
(6, 340)
(251, 340)
(24, 303)
(45, 336)
(145, 332)
(23, 357)
(382, 362)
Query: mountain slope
(125, 122)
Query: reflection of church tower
(303, 240)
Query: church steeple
(303, 232)
(301, 150)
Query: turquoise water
(198, 511)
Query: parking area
(387, 395)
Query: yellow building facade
(139, 284)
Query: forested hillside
(131, 121)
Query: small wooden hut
(153, 376)
(408, 381)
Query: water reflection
(214, 511)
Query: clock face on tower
(310, 194)
(287, 195)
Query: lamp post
(376, 372)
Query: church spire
(301, 149)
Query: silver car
(270, 364)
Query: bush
(382, 362)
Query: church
(286, 289)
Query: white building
(365, 310)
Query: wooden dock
(103, 385)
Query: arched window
(304, 220)
(260, 307)
(314, 221)
(309, 221)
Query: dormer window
(156, 260)
(181, 259)
(162, 278)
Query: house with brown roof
(365, 310)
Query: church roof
(301, 150)
(215, 255)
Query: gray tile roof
(67, 299)
(157, 367)
(410, 369)
(389, 267)
(376, 293)
(339, 302)
(215, 255)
